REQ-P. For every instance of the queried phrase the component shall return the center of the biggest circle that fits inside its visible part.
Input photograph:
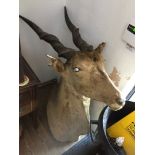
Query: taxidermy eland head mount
(84, 70)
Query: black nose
(120, 101)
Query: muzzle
(119, 104)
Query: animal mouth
(116, 107)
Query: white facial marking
(76, 69)
(86, 104)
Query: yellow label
(131, 129)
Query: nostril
(120, 101)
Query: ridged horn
(77, 39)
(51, 39)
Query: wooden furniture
(21, 70)
(27, 96)
(28, 82)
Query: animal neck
(67, 94)
(64, 112)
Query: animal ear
(100, 47)
(56, 63)
(97, 52)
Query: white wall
(105, 20)
(48, 14)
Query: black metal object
(92, 122)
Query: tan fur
(66, 117)
(65, 111)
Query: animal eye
(76, 69)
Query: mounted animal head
(84, 70)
